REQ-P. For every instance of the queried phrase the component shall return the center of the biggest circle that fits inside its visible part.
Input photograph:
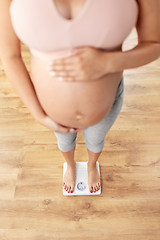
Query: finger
(69, 58)
(63, 130)
(68, 62)
(62, 127)
(78, 50)
(56, 61)
(63, 61)
(72, 130)
(73, 52)
(66, 73)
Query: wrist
(115, 62)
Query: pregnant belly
(73, 104)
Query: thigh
(96, 133)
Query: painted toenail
(90, 191)
(71, 191)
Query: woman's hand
(56, 127)
(83, 64)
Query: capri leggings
(95, 134)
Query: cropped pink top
(102, 24)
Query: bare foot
(93, 178)
(69, 178)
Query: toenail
(90, 191)
(71, 191)
(94, 191)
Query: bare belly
(73, 104)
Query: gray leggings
(95, 134)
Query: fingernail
(71, 130)
(60, 79)
(52, 73)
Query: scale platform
(81, 181)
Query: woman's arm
(88, 63)
(18, 75)
(148, 48)
(13, 64)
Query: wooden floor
(32, 206)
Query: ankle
(71, 165)
(92, 164)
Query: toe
(72, 189)
(68, 188)
(90, 188)
(64, 185)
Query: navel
(79, 115)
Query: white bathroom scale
(81, 181)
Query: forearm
(142, 54)
(21, 81)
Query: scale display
(81, 186)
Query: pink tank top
(102, 24)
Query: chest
(45, 26)
(69, 9)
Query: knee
(66, 142)
(95, 147)
(66, 148)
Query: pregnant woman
(77, 65)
